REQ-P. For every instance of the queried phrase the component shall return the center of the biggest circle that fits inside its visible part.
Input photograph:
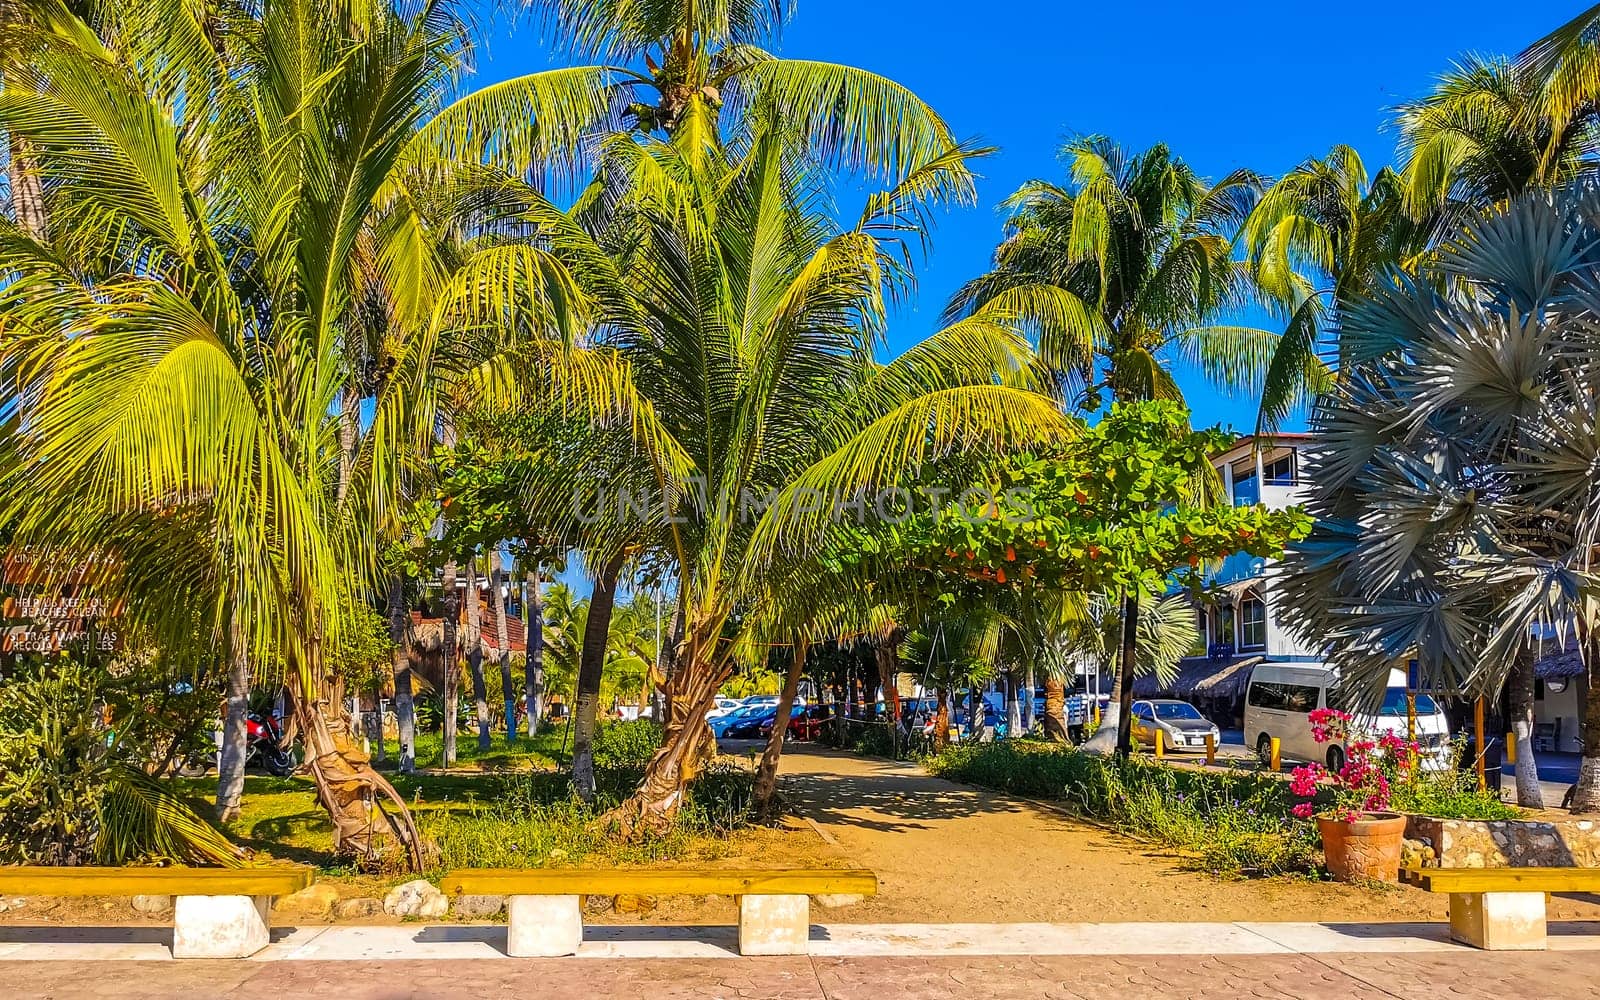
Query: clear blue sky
(1245, 84)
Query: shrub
(73, 789)
(626, 745)
(1229, 822)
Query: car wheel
(1264, 750)
(1336, 759)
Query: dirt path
(951, 853)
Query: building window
(1202, 640)
(1252, 623)
(1222, 626)
(1246, 487)
(1279, 471)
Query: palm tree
(1322, 235)
(1454, 489)
(1125, 270)
(762, 382)
(189, 333)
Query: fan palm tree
(1454, 488)
(256, 230)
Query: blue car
(721, 724)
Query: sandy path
(951, 853)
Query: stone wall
(1512, 843)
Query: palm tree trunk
(591, 665)
(235, 734)
(447, 651)
(1013, 706)
(687, 742)
(27, 193)
(884, 649)
(366, 811)
(1027, 704)
(497, 580)
(1586, 793)
(941, 719)
(533, 656)
(480, 690)
(1529, 794)
(405, 710)
(1055, 708)
(1130, 637)
(767, 773)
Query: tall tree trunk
(1013, 706)
(1055, 708)
(888, 660)
(480, 690)
(941, 719)
(450, 624)
(27, 193)
(670, 660)
(591, 666)
(502, 637)
(767, 773)
(235, 731)
(533, 656)
(1529, 794)
(1130, 638)
(1027, 704)
(1586, 793)
(405, 710)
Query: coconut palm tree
(1323, 234)
(259, 225)
(1126, 270)
(1454, 488)
(747, 319)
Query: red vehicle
(808, 725)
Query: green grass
(522, 815)
(544, 750)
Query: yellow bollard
(1277, 755)
(1161, 745)
(1211, 749)
(1511, 749)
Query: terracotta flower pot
(1367, 847)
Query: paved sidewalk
(486, 942)
(1344, 976)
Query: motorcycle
(263, 749)
(264, 746)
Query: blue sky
(1245, 84)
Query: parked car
(1180, 724)
(749, 727)
(808, 725)
(1282, 696)
(764, 730)
(720, 726)
(722, 707)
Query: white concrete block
(543, 926)
(220, 926)
(1499, 921)
(774, 925)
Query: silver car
(1181, 725)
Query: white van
(1282, 696)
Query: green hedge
(1228, 822)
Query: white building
(1243, 627)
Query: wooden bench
(1501, 909)
(544, 906)
(217, 912)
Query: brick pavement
(1464, 974)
